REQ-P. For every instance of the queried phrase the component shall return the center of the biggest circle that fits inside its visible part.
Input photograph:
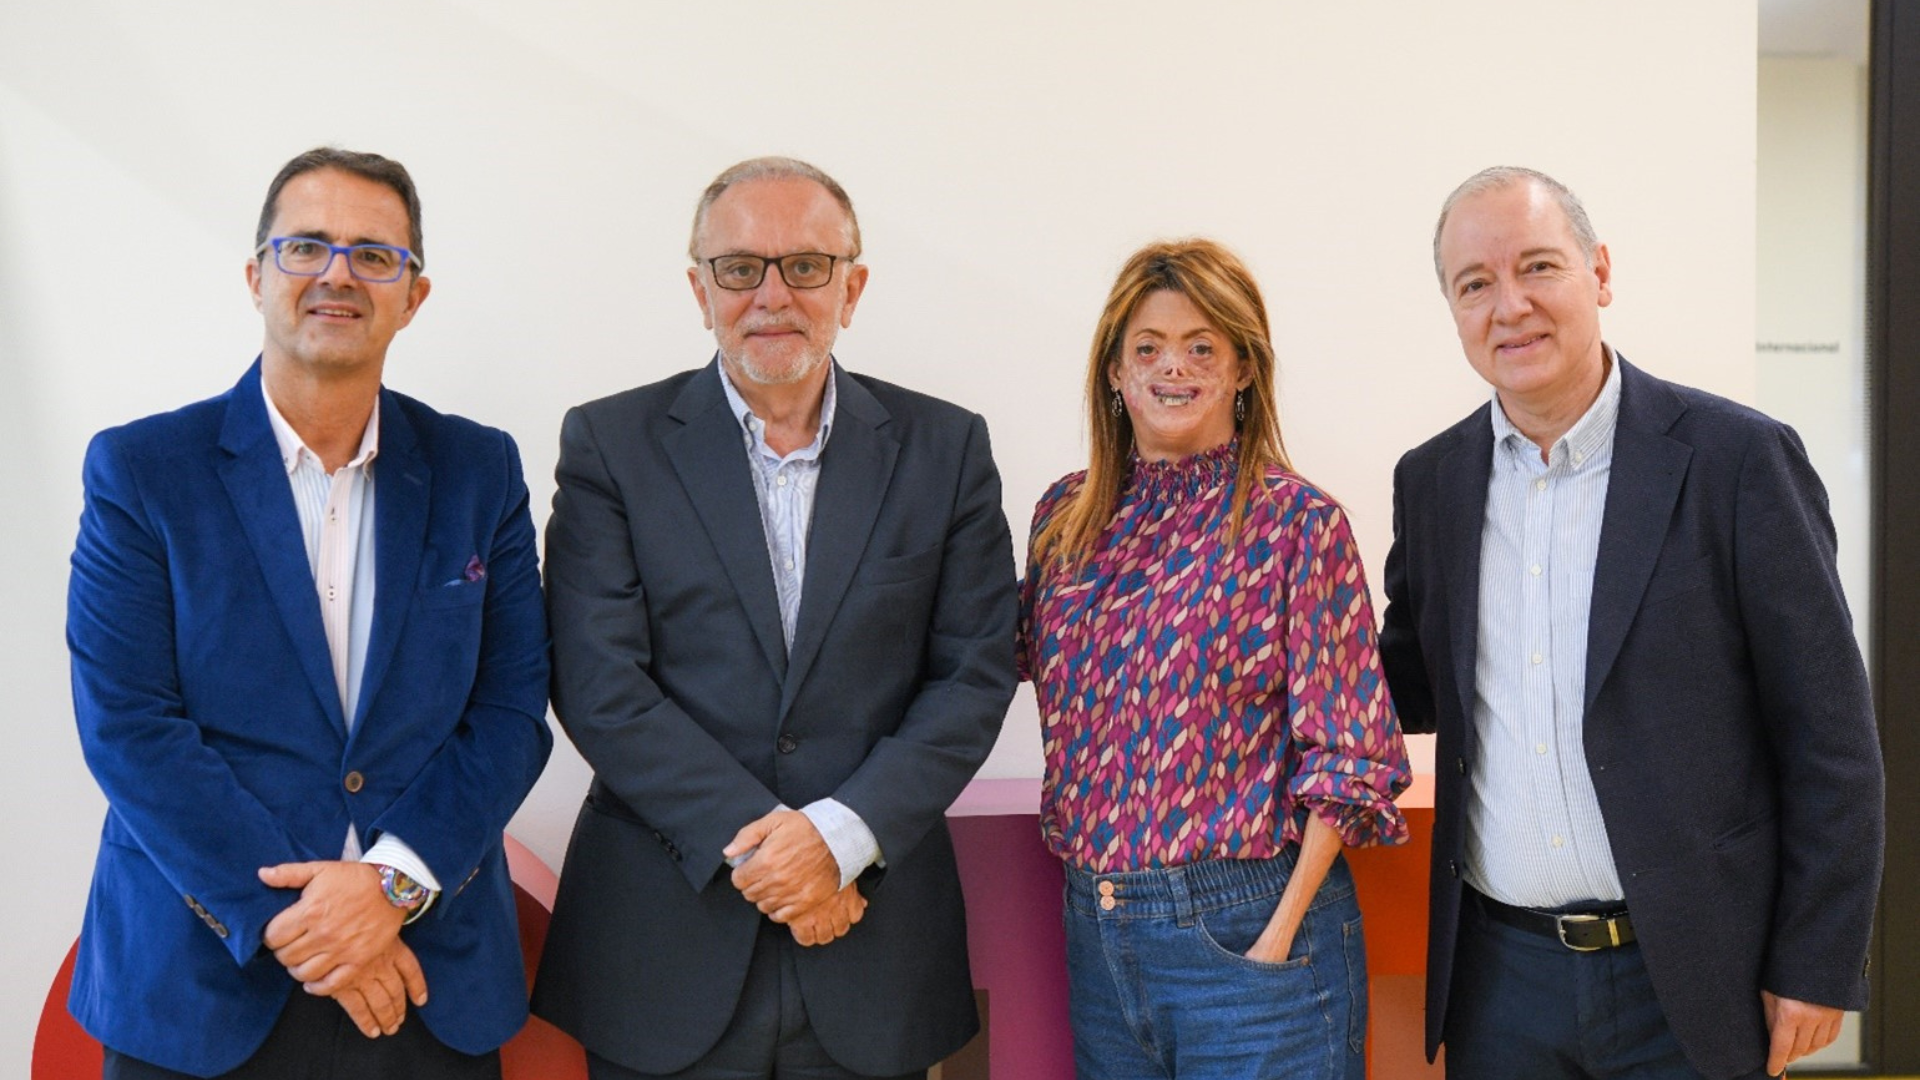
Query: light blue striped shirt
(784, 487)
(1535, 837)
(336, 523)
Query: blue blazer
(208, 714)
(1728, 725)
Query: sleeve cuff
(853, 845)
(392, 851)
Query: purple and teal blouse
(1197, 699)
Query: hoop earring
(1239, 406)
(1119, 406)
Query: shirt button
(787, 744)
(787, 563)
(332, 593)
(1558, 841)
(1540, 748)
(1537, 658)
(1578, 457)
(354, 782)
(781, 480)
(1534, 570)
(1540, 485)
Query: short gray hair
(772, 168)
(1503, 176)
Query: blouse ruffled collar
(1183, 478)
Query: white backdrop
(1005, 156)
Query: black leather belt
(1580, 932)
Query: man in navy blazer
(1659, 814)
(309, 670)
(783, 601)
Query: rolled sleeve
(1352, 759)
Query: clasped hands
(790, 874)
(341, 940)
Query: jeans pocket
(1230, 931)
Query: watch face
(401, 890)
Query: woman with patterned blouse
(1197, 628)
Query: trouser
(314, 1040)
(769, 1037)
(1525, 1007)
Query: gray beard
(785, 377)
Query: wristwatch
(403, 892)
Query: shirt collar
(292, 446)
(1589, 435)
(756, 429)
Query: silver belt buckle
(1613, 931)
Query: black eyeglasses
(306, 256)
(801, 270)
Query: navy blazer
(208, 713)
(672, 676)
(1728, 725)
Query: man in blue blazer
(309, 670)
(783, 601)
(1659, 812)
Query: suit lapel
(855, 468)
(256, 481)
(402, 493)
(1643, 488)
(709, 454)
(1462, 478)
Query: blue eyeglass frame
(334, 251)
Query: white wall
(1005, 157)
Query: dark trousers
(314, 1040)
(1525, 1007)
(769, 1037)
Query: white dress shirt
(337, 522)
(784, 487)
(1535, 837)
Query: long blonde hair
(1219, 284)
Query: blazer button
(1461, 764)
(1452, 868)
(354, 782)
(788, 744)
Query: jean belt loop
(1182, 899)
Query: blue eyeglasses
(305, 256)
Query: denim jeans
(1161, 985)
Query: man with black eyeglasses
(783, 602)
(309, 670)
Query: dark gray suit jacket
(672, 677)
(1728, 725)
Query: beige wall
(1005, 157)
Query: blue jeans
(1161, 986)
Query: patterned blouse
(1196, 700)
